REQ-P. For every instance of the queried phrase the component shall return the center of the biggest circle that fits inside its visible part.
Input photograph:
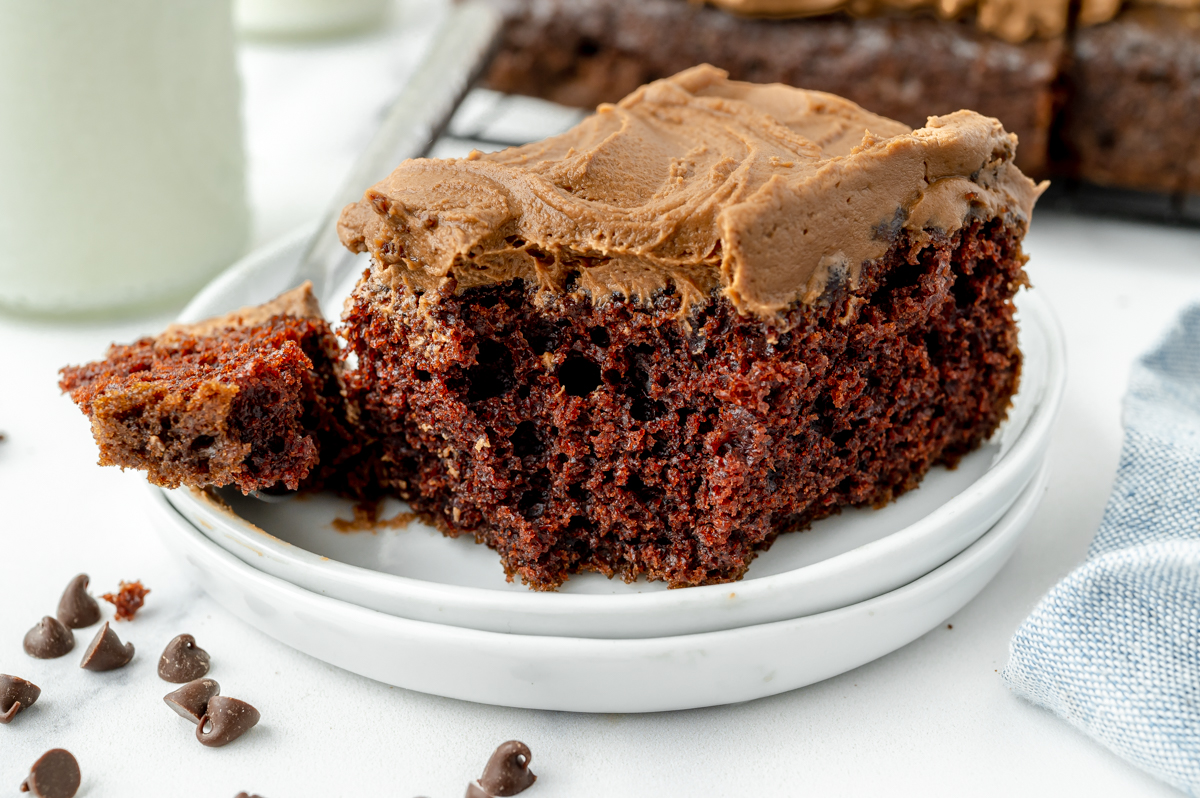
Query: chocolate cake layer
(906, 67)
(249, 399)
(625, 439)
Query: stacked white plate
(411, 608)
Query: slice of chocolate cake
(248, 399)
(712, 313)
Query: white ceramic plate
(416, 573)
(590, 675)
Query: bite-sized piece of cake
(904, 66)
(250, 399)
(1133, 115)
(705, 316)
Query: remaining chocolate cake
(1133, 115)
(1100, 90)
(249, 399)
(906, 67)
(710, 314)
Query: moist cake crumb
(128, 599)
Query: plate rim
(992, 550)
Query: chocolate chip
(507, 772)
(182, 660)
(16, 694)
(77, 608)
(49, 639)
(225, 720)
(246, 795)
(191, 701)
(107, 652)
(54, 775)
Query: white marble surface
(931, 719)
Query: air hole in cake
(647, 495)
(277, 445)
(895, 284)
(643, 409)
(524, 440)
(599, 336)
(933, 345)
(514, 298)
(201, 441)
(579, 376)
(492, 374)
(541, 337)
(532, 505)
(965, 295)
(423, 376)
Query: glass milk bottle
(121, 165)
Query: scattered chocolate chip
(128, 599)
(225, 720)
(246, 795)
(49, 639)
(107, 652)
(54, 775)
(507, 772)
(182, 660)
(77, 608)
(16, 694)
(191, 701)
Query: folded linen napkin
(1115, 647)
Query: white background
(931, 719)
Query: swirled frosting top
(694, 181)
(1012, 20)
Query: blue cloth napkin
(1115, 647)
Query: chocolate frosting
(767, 192)
(1012, 20)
